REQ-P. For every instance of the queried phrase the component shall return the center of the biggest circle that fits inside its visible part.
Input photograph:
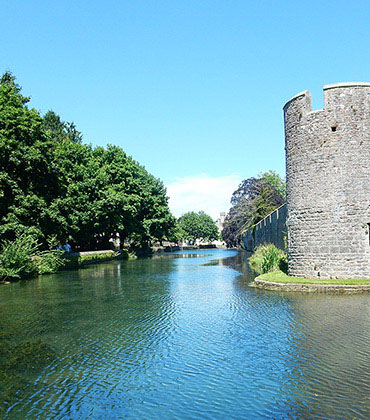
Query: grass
(280, 277)
(77, 261)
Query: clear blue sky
(188, 88)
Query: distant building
(220, 222)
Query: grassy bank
(280, 277)
(22, 260)
(76, 261)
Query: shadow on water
(20, 362)
(239, 262)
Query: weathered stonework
(328, 183)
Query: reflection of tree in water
(330, 353)
(192, 254)
(21, 360)
(238, 262)
(110, 327)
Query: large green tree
(199, 225)
(52, 184)
(274, 179)
(28, 176)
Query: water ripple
(186, 338)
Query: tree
(61, 130)
(274, 179)
(52, 184)
(27, 171)
(199, 225)
(253, 200)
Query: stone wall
(328, 183)
(272, 229)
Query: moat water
(180, 336)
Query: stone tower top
(335, 95)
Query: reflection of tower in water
(330, 352)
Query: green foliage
(21, 258)
(60, 130)
(51, 184)
(27, 174)
(48, 262)
(193, 226)
(267, 258)
(175, 234)
(274, 179)
(17, 258)
(254, 199)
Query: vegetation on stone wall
(54, 185)
(254, 199)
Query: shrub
(21, 258)
(48, 262)
(17, 258)
(267, 258)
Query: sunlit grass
(280, 277)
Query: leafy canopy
(199, 225)
(54, 185)
(253, 200)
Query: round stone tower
(328, 183)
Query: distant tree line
(52, 185)
(253, 200)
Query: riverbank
(280, 281)
(80, 259)
(70, 261)
(174, 248)
(75, 260)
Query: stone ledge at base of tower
(278, 281)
